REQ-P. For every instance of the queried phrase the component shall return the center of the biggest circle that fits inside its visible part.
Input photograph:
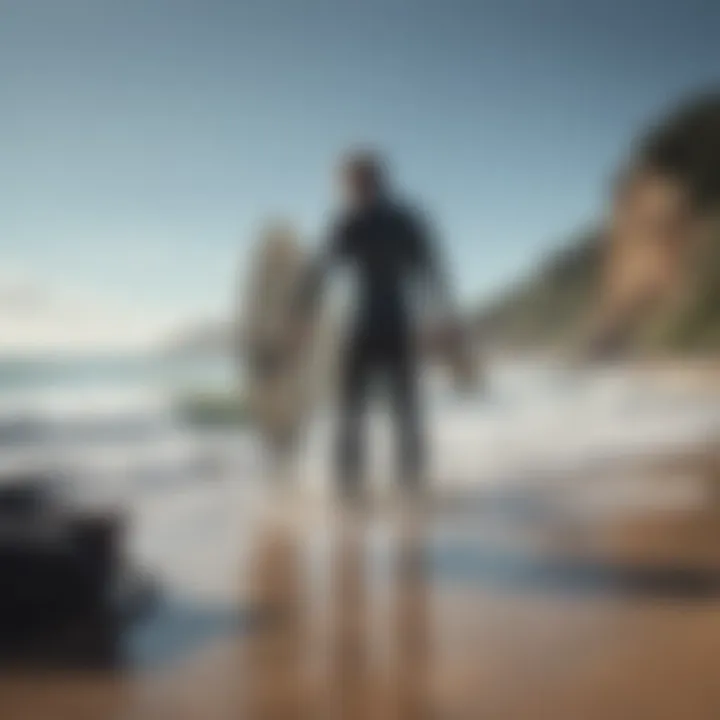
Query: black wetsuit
(389, 250)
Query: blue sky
(142, 142)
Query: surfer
(389, 248)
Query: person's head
(363, 178)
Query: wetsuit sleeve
(431, 269)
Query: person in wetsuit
(389, 249)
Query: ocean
(108, 431)
(115, 422)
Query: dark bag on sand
(55, 564)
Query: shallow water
(112, 425)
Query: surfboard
(274, 365)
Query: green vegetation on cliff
(550, 306)
(695, 324)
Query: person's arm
(435, 281)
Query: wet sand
(570, 604)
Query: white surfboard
(274, 364)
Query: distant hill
(551, 305)
(201, 338)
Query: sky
(143, 143)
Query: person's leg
(402, 371)
(355, 376)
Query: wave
(530, 420)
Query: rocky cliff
(649, 278)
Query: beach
(565, 565)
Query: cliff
(648, 280)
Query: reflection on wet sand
(433, 614)
(351, 628)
